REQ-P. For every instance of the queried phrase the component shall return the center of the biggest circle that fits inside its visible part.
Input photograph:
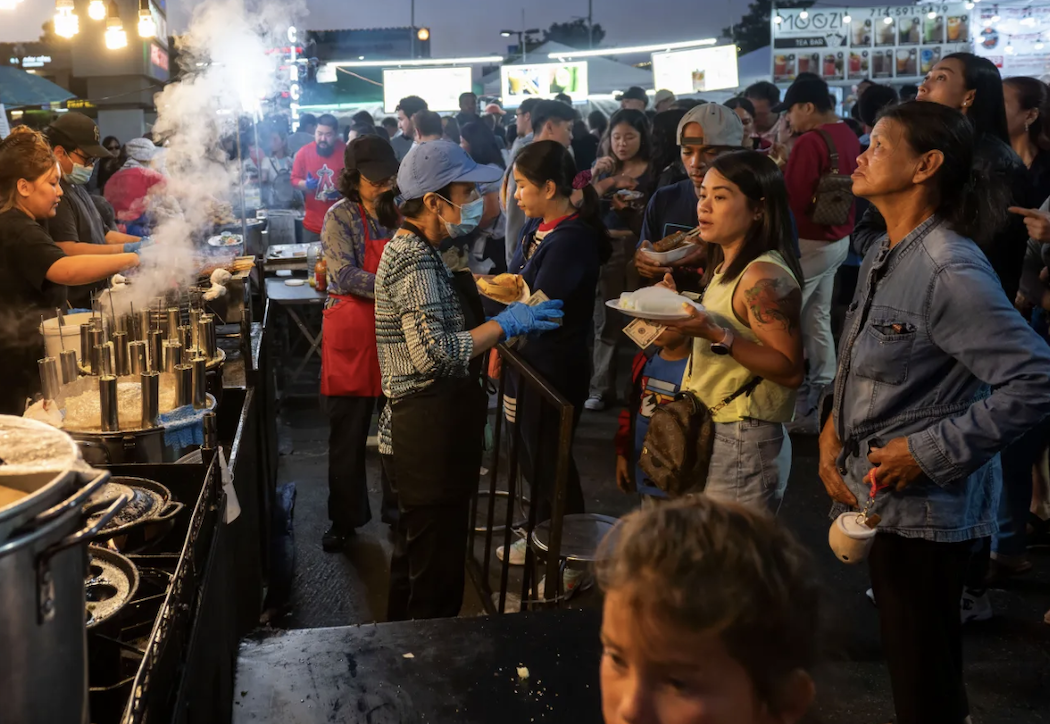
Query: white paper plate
(655, 316)
(294, 282)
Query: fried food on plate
(503, 288)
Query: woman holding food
(353, 240)
(748, 348)
(34, 272)
(561, 254)
(624, 181)
(431, 334)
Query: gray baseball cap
(431, 166)
(722, 126)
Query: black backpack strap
(831, 150)
(746, 389)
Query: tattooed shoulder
(775, 301)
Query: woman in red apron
(353, 242)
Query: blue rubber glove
(519, 319)
(136, 246)
(312, 182)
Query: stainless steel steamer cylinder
(138, 359)
(172, 354)
(156, 350)
(68, 365)
(200, 383)
(104, 358)
(173, 322)
(183, 385)
(49, 377)
(107, 394)
(150, 399)
(120, 354)
(208, 343)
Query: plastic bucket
(70, 333)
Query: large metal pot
(43, 669)
(132, 446)
(38, 460)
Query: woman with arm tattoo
(748, 338)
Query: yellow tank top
(714, 377)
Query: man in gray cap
(704, 133)
(77, 226)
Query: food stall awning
(19, 88)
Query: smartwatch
(725, 346)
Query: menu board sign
(542, 80)
(1016, 39)
(696, 70)
(881, 42)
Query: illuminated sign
(74, 103)
(32, 61)
(542, 80)
(696, 70)
(158, 57)
(293, 90)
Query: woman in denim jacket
(937, 374)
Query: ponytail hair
(390, 213)
(543, 161)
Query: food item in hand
(676, 241)
(503, 288)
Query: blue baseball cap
(431, 166)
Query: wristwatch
(725, 346)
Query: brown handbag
(833, 198)
(676, 453)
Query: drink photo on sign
(859, 64)
(910, 30)
(861, 33)
(886, 34)
(958, 29)
(907, 65)
(933, 30)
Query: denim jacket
(933, 351)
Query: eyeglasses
(88, 161)
(113, 149)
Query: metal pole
(522, 36)
(413, 28)
(590, 24)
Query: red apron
(349, 358)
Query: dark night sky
(457, 25)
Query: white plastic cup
(850, 539)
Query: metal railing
(532, 389)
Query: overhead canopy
(18, 88)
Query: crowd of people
(928, 219)
(928, 216)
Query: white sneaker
(974, 607)
(595, 403)
(517, 552)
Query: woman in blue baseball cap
(431, 333)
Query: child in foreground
(655, 379)
(710, 617)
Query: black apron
(439, 431)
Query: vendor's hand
(1037, 222)
(605, 164)
(830, 447)
(698, 324)
(896, 466)
(646, 265)
(519, 319)
(623, 475)
(312, 182)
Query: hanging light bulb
(67, 22)
(1009, 47)
(847, 19)
(147, 28)
(969, 6)
(995, 14)
(803, 15)
(778, 19)
(932, 15)
(1039, 45)
(888, 20)
(116, 38)
(97, 10)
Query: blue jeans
(1016, 498)
(750, 463)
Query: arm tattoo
(775, 302)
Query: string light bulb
(778, 19)
(969, 6)
(932, 15)
(116, 38)
(97, 10)
(847, 18)
(67, 22)
(995, 14)
(147, 28)
(1009, 47)
(888, 20)
(803, 15)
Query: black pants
(917, 584)
(350, 419)
(427, 572)
(538, 431)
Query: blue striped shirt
(420, 329)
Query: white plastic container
(70, 333)
(666, 257)
(850, 538)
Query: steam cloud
(228, 65)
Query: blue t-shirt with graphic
(661, 381)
